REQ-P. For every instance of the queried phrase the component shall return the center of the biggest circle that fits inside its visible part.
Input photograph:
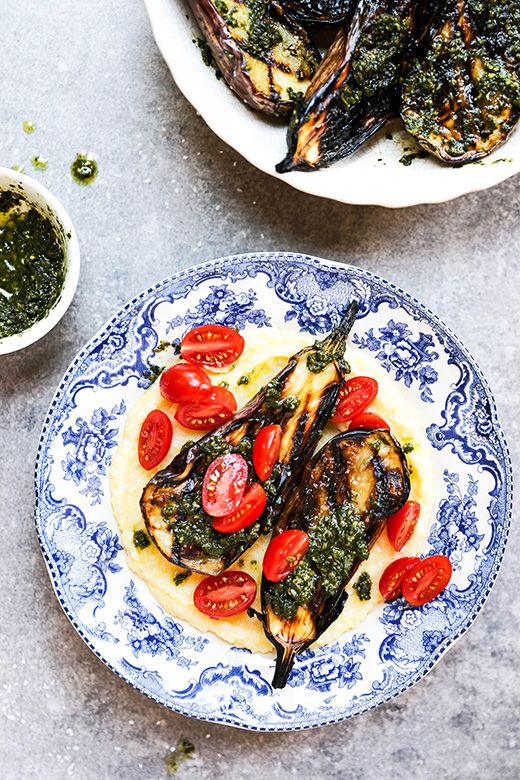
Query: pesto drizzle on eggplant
(462, 99)
(346, 491)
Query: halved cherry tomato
(224, 484)
(266, 448)
(184, 383)
(215, 408)
(401, 525)
(426, 579)
(284, 553)
(247, 512)
(225, 595)
(354, 397)
(155, 438)
(367, 421)
(212, 346)
(392, 577)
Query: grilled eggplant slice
(263, 54)
(462, 99)
(319, 11)
(348, 489)
(357, 86)
(301, 399)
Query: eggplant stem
(284, 664)
(336, 341)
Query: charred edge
(335, 342)
(284, 664)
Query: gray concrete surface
(169, 194)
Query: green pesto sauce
(161, 346)
(363, 586)
(32, 265)
(319, 358)
(174, 758)
(84, 169)
(408, 447)
(28, 127)
(243, 380)
(152, 373)
(263, 33)
(407, 159)
(336, 542)
(39, 162)
(141, 540)
(298, 588)
(376, 65)
(181, 577)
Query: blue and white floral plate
(202, 676)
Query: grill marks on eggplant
(347, 490)
(263, 54)
(357, 86)
(462, 99)
(171, 501)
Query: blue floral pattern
(399, 352)
(91, 443)
(200, 675)
(455, 532)
(336, 666)
(225, 307)
(147, 634)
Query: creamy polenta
(266, 352)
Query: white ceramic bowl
(39, 196)
(373, 175)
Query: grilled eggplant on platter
(299, 399)
(319, 11)
(263, 54)
(357, 86)
(462, 99)
(347, 490)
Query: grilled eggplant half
(347, 490)
(300, 399)
(319, 11)
(357, 86)
(462, 99)
(263, 54)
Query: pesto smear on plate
(32, 265)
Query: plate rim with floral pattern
(231, 685)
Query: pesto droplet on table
(39, 162)
(84, 169)
(28, 126)
(32, 265)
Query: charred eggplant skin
(301, 399)
(357, 86)
(462, 98)
(263, 54)
(347, 490)
(319, 11)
